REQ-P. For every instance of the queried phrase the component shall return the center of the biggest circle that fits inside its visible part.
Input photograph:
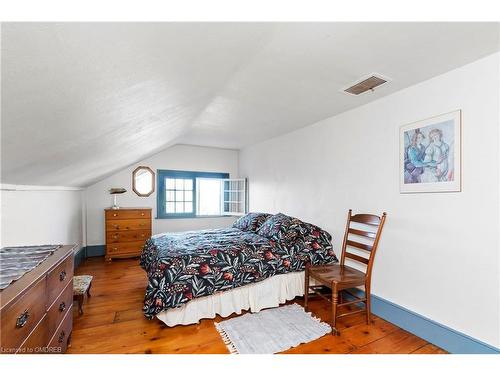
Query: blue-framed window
(184, 194)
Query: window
(234, 194)
(179, 195)
(209, 197)
(198, 194)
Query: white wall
(37, 217)
(179, 157)
(439, 253)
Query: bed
(255, 264)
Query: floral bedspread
(187, 265)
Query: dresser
(36, 310)
(127, 229)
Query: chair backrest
(367, 228)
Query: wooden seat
(362, 235)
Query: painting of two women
(429, 153)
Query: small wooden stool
(81, 286)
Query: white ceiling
(80, 101)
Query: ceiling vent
(366, 84)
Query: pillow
(275, 226)
(313, 245)
(311, 233)
(291, 233)
(251, 221)
(316, 240)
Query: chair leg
(334, 311)
(88, 290)
(80, 304)
(306, 288)
(368, 304)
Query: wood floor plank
(429, 349)
(397, 342)
(113, 323)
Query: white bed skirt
(254, 297)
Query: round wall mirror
(143, 181)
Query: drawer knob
(116, 226)
(22, 319)
(142, 213)
(62, 306)
(115, 215)
(62, 275)
(61, 336)
(115, 237)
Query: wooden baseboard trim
(436, 333)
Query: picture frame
(430, 154)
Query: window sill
(193, 217)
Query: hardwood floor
(113, 323)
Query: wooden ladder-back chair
(339, 277)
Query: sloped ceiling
(83, 100)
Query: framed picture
(430, 154)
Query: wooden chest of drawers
(127, 229)
(36, 310)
